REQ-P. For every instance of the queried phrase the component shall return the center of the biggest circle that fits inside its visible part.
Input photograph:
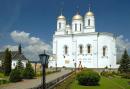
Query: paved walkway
(25, 84)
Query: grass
(39, 73)
(3, 79)
(2, 75)
(66, 83)
(105, 83)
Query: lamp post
(54, 56)
(44, 61)
(35, 67)
(75, 67)
(56, 65)
(110, 67)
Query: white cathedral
(80, 45)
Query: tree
(20, 49)
(19, 65)
(15, 75)
(7, 62)
(28, 71)
(124, 63)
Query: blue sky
(38, 17)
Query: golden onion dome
(89, 13)
(77, 17)
(61, 17)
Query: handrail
(53, 83)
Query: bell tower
(89, 21)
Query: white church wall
(91, 60)
(61, 56)
(63, 24)
(109, 58)
(14, 63)
(87, 59)
(79, 29)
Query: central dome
(89, 13)
(61, 17)
(77, 17)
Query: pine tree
(20, 49)
(20, 65)
(124, 63)
(28, 71)
(15, 75)
(7, 62)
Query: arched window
(80, 49)
(75, 27)
(88, 22)
(80, 27)
(59, 25)
(66, 49)
(104, 50)
(89, 48)
(13, 64)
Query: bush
(126, 75)
(15, 76)
(2, 75)
(3, 81)
(88, 78)
(108, 74)
(39, 73)
(28, 72)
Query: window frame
(59, 25)
(104, 51)
(88, 22)
(80, 49)
(75, 26)
(65, 49)
(89, 48)
(80, 27)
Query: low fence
(53, 83)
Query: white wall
(14, 63)
(93, 60)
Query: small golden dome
(77, 17)
(89, 13)
(61, 17)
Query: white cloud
(20, 37)
(32, 46)
(12, 48)
(122, 44)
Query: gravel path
(25, 84)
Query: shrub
(126, 75)
(124, 63)
(88, 78)
(28, 72)
(15, 76)
(2, 75)
(6, 63)
(108, 74)
(3, 81)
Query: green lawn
(3, 76)
(3, 79)
(105, 83)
